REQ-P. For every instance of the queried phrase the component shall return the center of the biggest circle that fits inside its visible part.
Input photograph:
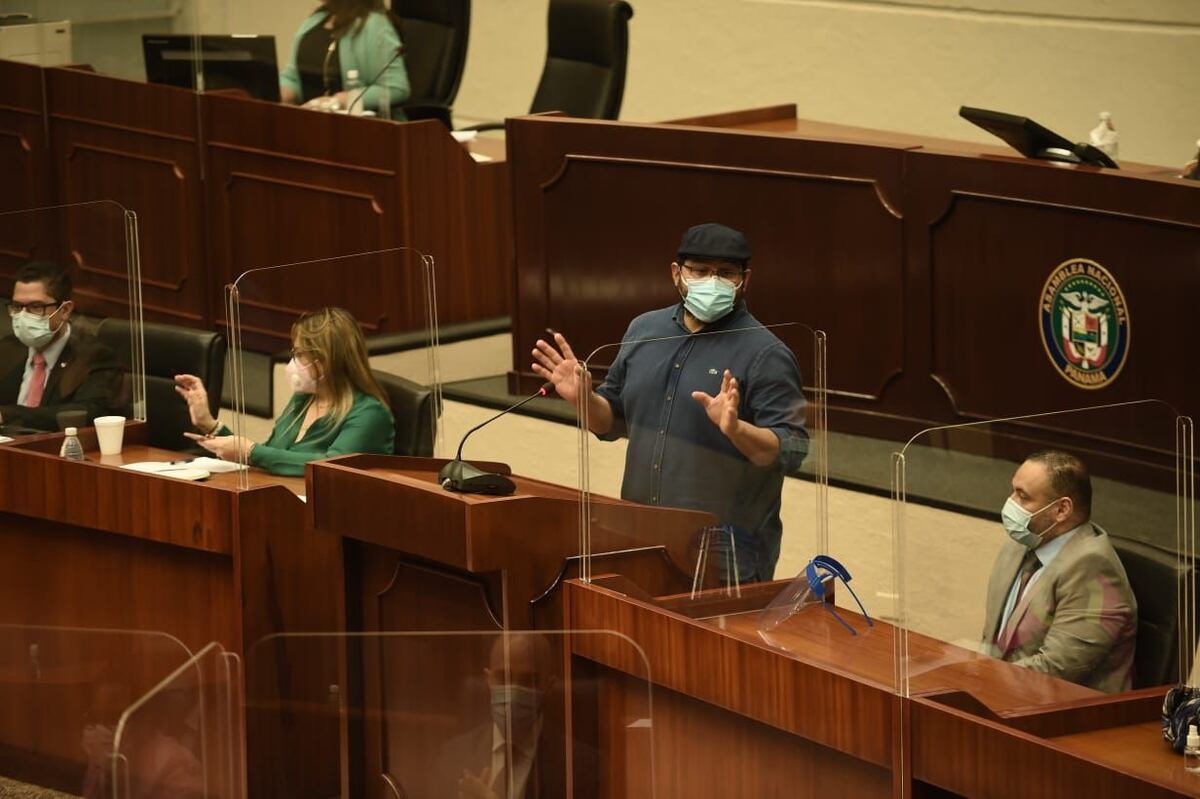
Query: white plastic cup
(110, 431)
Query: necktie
(37, 381)
(1029, 566)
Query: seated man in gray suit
(1058, 600)
(46, 366)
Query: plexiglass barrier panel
(71, 340)
(62, 693)
(1047, 558)
(301, 335)
(122, 38)
(437, 714)
(182, 738)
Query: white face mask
(1016, 521)
(301, 377)
(34, 331)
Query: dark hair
(347, 13)
(1069, 476)
(55, 278)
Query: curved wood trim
(303, 159)
(571, 159)
(22, 142)
(153, 134)
(370, 199)
(956, 194)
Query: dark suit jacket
(85, 379)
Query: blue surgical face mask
(524, 705)
(708, 299)
(1016, 521)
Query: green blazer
(365, 48)
(368, 427)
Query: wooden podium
(425, 567)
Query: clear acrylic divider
(307, 312)
(702, 510)
(62, 693)
(427, 715)
(108, 36)
(1017, 587)
(88, 254)
(183, 736)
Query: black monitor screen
(230, 62)
(1031, 139)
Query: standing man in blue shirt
(710, 400)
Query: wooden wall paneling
(135, 144)
(984, 234)
(23, 162)
(291, 585)
(458, 212)
(599, 208)
(973, 757)
(288, 186)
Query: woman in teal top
(338, 408)
(344, 35)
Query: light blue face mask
(523, 703)
(1016, 521)
(708, 299)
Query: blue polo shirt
(676, 457)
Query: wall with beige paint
(897, 64)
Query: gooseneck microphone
(399, 52)
(458, 475)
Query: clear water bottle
(72, 450)
(353, 88)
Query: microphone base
(464, 478)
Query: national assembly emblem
(1085, 323)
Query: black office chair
(412, 411)
(586, 54)
(171, 350)
(435, 34)
(1157, 580)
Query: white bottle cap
(352, 74)
(1193, 739)
(71, 431)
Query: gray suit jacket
(1078, 621)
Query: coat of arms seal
(1085, 323)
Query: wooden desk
(222, 184)
(91, 545)
(938, 244)
(420, 558)
(812, 705)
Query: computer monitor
(1032, 140)
(230, 62)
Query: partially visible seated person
(47, 366)
(337, 409)
(1058, 600)
(342, 35)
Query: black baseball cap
(716, 242)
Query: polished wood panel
(438, 564)
(824, 222)
(922, 258)
(138, 145)
(92, 545)
(218, 183)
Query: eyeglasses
(34, 308)
(823, 569)
(303, 356)
(730, 275)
